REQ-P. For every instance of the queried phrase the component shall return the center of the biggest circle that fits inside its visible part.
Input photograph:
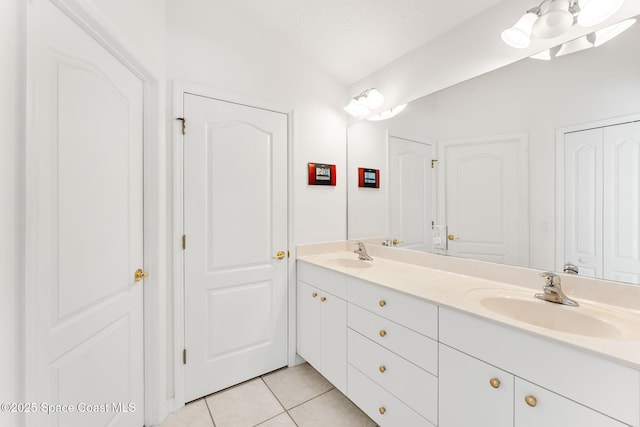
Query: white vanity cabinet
(322, 322)
(392, 353)
(542, 382)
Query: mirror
(501, 161)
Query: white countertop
(461, 292)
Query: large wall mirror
(535, 164)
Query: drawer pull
(495, 383)
(383, 333)
(531, 400)
(323, 299)
(382, 303)
(382, 369)
(382, 410)
(315, 294)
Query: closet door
(583, 201)
(622, 202)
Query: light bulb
(356, 108)
(374, 98)
(593, 12)
(519, 36)
(555, 19)
(604, 35)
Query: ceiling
(353, 38)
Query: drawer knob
(495, 383)
(382, 369)
(531, 400)
(382, 303)
(382, 410)
(323, 299)
(383, 333)
(315, 294)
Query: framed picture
(368, 177)
(322, 174)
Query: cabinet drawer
(385, 409)
(552, 410)
(412, 385)
(405, 342)
(597, 383)
(403, 309)
(322, 278)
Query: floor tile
(195, 414)
(247, 404)
(282, 420)
(296, 385)
(331, 409)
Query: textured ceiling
(353, 38)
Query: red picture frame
(322, 174)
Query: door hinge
(288, 254)
(184, 356)
(184, 124)
(433, 163)
(184, 242)
(433, 225)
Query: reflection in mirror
(515, 180)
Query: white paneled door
(410, 193)
(85, 230)
(483, 198)
(235, 223)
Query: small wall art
(368, 177)
(322, 174)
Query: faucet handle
(550, 278)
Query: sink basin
(586, 320)
(349, 262)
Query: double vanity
(415, 340)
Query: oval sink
(349, 262)
(585, 320)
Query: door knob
(139, 275)
(396, 242)
(279, 255)
(453, 237)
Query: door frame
(91, 20)
(559, 175)
(180, 88)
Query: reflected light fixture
(552, 18)
(387, 114)
(362, 104)
(595, 39)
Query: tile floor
(290, 397)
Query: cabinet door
(474, 393)
(536, 406)
(333, 345)
(308, 322)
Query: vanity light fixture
(388, 113)
(595, 39)
(552, 18)
(362, 104)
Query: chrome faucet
(553, 291)
(362, 252)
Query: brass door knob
(396, 242)
(383, 333)
(531, 400)
(323, 299)
(382, 303)
(314, 294)
(382, 410)
(279, 255)
(495, 383)
(139, 275)
(382, 369)
(453, 237)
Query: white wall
(12, 109)
(210, 44)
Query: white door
(483, 198)
(622, 202)
(84, 312)
(410, 193)
(235, 222)
(582, 201)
